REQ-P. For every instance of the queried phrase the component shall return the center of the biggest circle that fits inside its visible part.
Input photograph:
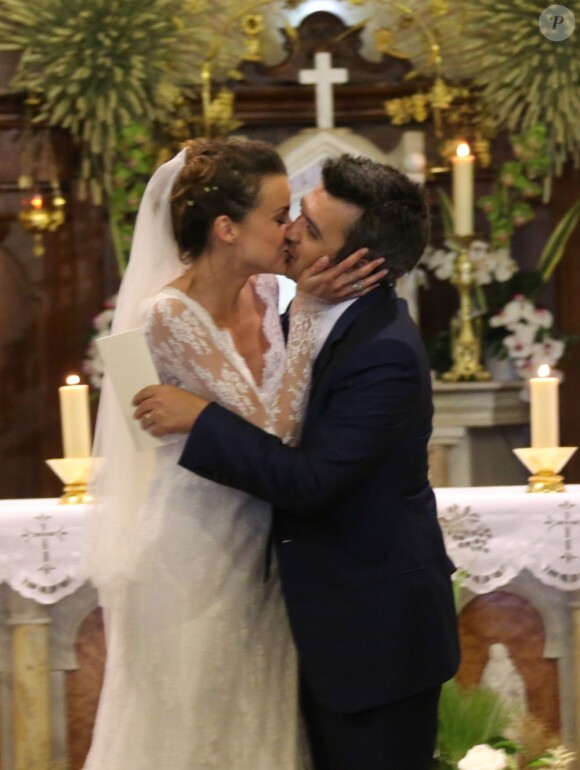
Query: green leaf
(554, 248)
(509, 746)
(446, 214)
(521, 213)
(511, 173)
(457, 580)
(537, 167)
(479, 300)
(439, 350)
(501, 231)
(531, 190)
(542, 762)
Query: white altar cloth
(496, 532)
(40, 548)
(493, 533)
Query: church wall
(46, 307)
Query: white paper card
(129, 366)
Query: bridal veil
(121, 474)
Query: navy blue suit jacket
(363, 566)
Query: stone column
(30, 683)
(438, 460)
(575, 612)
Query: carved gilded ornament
(253, 27)
(383, 38)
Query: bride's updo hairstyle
(219, 177)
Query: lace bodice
(192, 352)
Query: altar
(506, 542)
(476, 425)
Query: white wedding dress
(201, 670)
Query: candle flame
(36, 201)
(463, 150)
(73, 379)
(544, 370)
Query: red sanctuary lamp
(39, 214)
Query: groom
(363, 567)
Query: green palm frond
(525, 78)
(554, 248)
(95, 68)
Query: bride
(201, 669)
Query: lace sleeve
(191, 352)
(287, 409)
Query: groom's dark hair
(395, 216)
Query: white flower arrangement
(483, 757)
(528, 340)
(489, 264)
(518, 331)
(93, 364)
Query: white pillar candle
(75, 418)
(544, 408)
(463, 190)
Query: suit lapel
(376, 306)
(285, 322)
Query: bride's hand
(163, 409)
(352, 277)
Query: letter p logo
(557, 23)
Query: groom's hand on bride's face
(164, 409)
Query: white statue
(501, 675)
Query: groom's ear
(225, 229)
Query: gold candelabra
(466, 339)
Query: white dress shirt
(329, 318)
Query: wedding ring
(358, 285)
(149, 417)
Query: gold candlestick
(545, 464)
(465, 342)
